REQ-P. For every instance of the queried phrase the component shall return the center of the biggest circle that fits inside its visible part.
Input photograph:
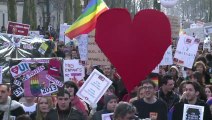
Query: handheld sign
(94, 87)
(193, 112)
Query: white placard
(83, 46)
(193, 112)
(186, 51)
(62, 37)
(108, 116)
(167, 58)
(48, 90)
(72, 69)
(94, 87)
(19, 91)
(1, 71)
(207, 44)
(34, 33)
(156, 70)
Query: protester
(209, 102)
(44, 110)
(166, 92)
(208, 91)
(60, 51)
(125, 111)
(8, 107)
(110, 101)
(65, 111)
(193, 90)
(150, 107)
(76, 102)
(29, 105)
(200, 66)
(140, 95)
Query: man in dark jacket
(192, 93)
(64, 109)
(8, 108)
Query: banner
(18, 28)
(83, 46)
(167, 58)
(186, 51)
(95, 55)
(36, 77)
(94, 87)
(34, 33)
(193, 112)
(207, 44)
(73, 70)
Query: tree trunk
(68, 12)
(77, 9)
(29, 14)
(12, 10)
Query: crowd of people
(148, 100)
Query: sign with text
(186, 51)
(175, 25)
(207, 44)
(167, 58)
(193, 112)
(83, 46)
(34, 33)
(94, 87)
(73, 69)
(95, 55)
(18, 28)
(36, 77)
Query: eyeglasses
(147, 87)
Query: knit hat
(209, 101)
(109, 97)
(174, 67)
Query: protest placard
(1, 68)
(95, 55)
(108, 116)
(18, 28)
(186, 51)
(94, 87)
(62, 37)
(207, 44)
(36, 77)
(193, 112)
(156, 70)
(42, 49)
(73, 69)
(83, 46)
(34, 33)
(167, 58)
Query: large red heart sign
(135, 47)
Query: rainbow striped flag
(87, 20)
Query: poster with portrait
(94, 87)
(186, 51)
(36, 77)
(193, 112)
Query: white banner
(186, 51)
(167, 58)
(73, 70)
(62, 37)
(83, 46)
(94, 87)
(34, 33)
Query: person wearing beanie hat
(209, 102)
(110, 102)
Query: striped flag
(87, 20)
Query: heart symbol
(135, 47)
(15, 69)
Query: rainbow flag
(87, 20)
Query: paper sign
(167, 58)
(95, 55)
(43, 48)
(34, 33)
(62, 37)
(156, 70)
(18, 28)
(1, 71)
(83, 46)
(207, 44)
(193, 112)
(72, 69)
(36, 77)
(94, 87)
(108, 116)
(186, 51)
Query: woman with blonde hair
(44, 110)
